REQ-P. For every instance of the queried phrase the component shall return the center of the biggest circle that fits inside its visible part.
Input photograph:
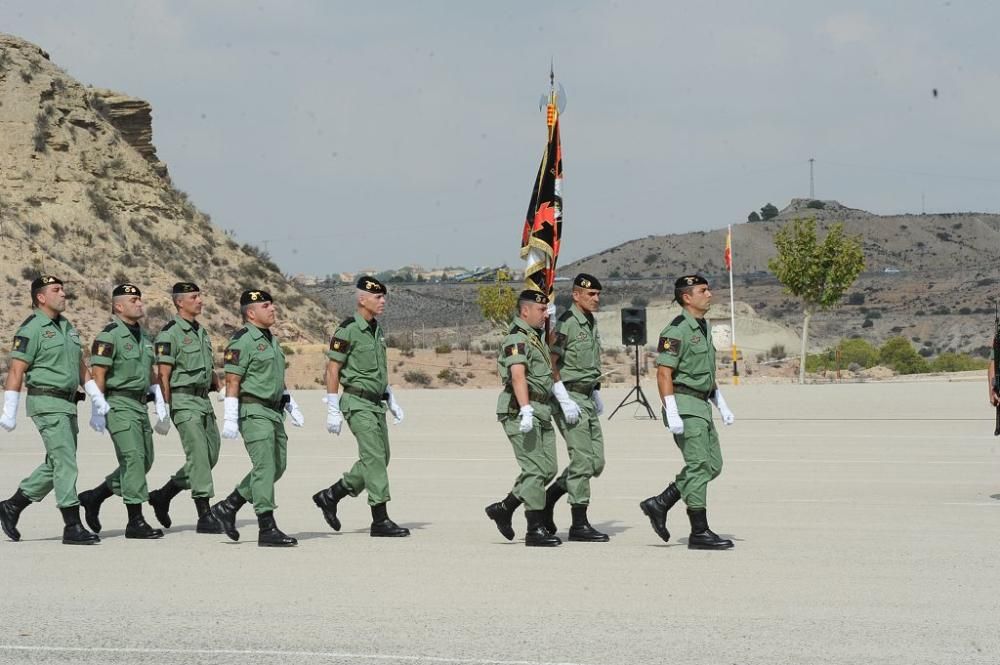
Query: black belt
(140, 396)
(582, 387)
(533, 396)
(680, 388)
(274, 406)
(190, 390)
(370, 395)
(73, 396)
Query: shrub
(651, 258)
(448, 375)
(287, 350)
(28, 272)
(417, 377)
(898, 354)
(856, 298)
(957, 362)
(777, 351)
(442, 349)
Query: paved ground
(866, 517)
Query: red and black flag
(543, 223)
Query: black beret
(252, 297)
(371, 285)
(185, 287)
(689, 280)
(126, 290)
(533, 296)
(42, 281)
(585, 281)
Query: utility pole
(812, 187)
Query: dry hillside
(84, 196)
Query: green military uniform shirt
(130, 360)
(524, 345)
(687, 348)
(578, 345)
(260, 363)
(187, 348)
(359, 347)
(52, 350)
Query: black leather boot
(270, 535)
(703, 538)
(160, 501)
(225, 513)
(327, 500)
(10, 512)
(536, 535)
(206, 520)
(73, 532)
(552, 496)
(137, 526)
(383, 527)
(582, 531)
(91, 501)
(656, 507)
(502, 512)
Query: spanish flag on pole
(732, 302)
(729, 249)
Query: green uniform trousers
(267, 446)
(200, 439)
(585, 443)
(133, 439)
(536, 455)
(59, 469)
(371, 471)
(702, 460)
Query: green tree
(769, 211)
(497, 303)
(816, 272)
(898, 354)
(753, 217)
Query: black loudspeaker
(633, 326)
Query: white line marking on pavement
(268, 652)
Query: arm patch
(559, 343)
(512, 350)
(20, 344)
(102, 349)
(340, 345)
(232, 357)
(669, 345)
(163, 349)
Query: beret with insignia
(253, 297)
(531, 295)
(689, 280)
(585, 281)
(371, 285)
(185, 287)
(126, 290)
(42, 281)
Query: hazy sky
(352, 135)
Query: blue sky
(353, 135)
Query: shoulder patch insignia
(102, 349)
(163, 349)
(512, 350)
(239, 333)
(679, 319)
(20, 344)
(559, 341)
(669, 345)
(28, 320)
(340, 345)
(232, 356)
(170, 324)
(111, 326)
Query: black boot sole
(81, 542)
(664, 534)
(706, 546)
(402, 534)
(144, 536)
(277, 544)
(556, 543)
(11, 532)
(233, 534)
(603, 538)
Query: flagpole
(732, 306)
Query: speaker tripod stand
(640, 397)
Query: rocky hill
(84, 196)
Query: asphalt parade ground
(866, 519)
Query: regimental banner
(543, 223)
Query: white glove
(11, 398)
(727, 416)
(161, 406)
(395, 408)
(231, 418)
(162, 425)
(674, 422)
(570, 409)
(97, 397)
(550, 311)
(294, 412)
(98, 421)
(334, 417)
(527, 419)
(598, 404)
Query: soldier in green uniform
(525, 413)
(685, 376)
(576, 370)
(47, 356)
(184, 362)
(256, 400)
(357, 362)
(122, 363)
